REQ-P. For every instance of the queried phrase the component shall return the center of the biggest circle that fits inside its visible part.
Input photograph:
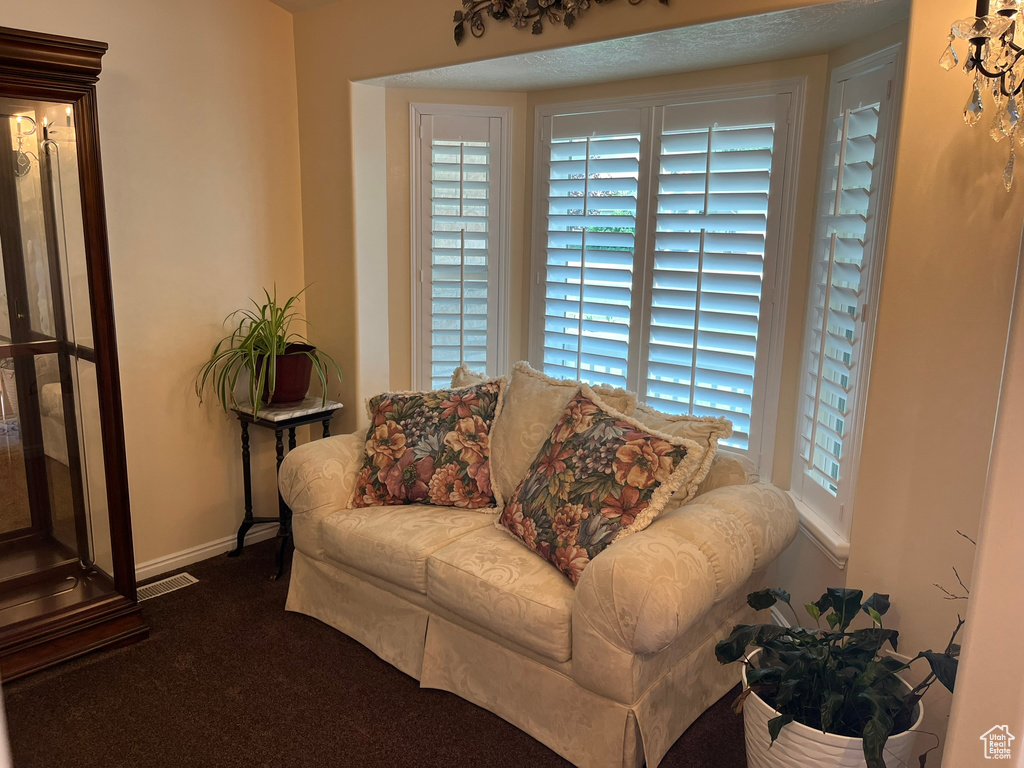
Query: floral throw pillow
(600, 476)
(430, 448)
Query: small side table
(278, 418)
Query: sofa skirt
(390, 626)
(586, 728)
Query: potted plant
(834, 685)
(278, 361)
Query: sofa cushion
(600, 476)
(393, 543)
(430, 448)
(491, 580)
(704, 430)
(533, 403)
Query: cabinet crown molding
(67, 59)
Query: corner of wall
(369, 182)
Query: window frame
(420, 251)
(829, 520)
(778, 249)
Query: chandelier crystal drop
(1012, 114)
(996, 60)
(998, 129)
(975, 107)
(949, 59)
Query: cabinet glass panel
(54, 523)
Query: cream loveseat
(608, 673)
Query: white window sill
(831, 543)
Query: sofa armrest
(729, 468)
(645, 591)
(317, 479)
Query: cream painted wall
(399, 234)
(947, 288)
(199, 132)
(369, 133)
(987, 693)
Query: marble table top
(306, 407)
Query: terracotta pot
(293, 371)
(801, 747)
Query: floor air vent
(164, 586)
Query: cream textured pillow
(599, 476)
(533, 404)
(706, 431)
(463, 377)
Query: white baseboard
(160, 565)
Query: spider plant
(259, 337)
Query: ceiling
(296, 6)
(781, 35)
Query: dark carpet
(228, 678)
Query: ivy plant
(835, 678)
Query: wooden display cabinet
(67, 571)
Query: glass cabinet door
(55, 543)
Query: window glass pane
(838, 284)
(709, 251)
(846, 258)
(461, 235)
(590, 244)
(659, 245)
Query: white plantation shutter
(593, 168)
(657, 236)
(459, 246)
(847, 256)
(711, 225)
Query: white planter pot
(10, 392)
(801, 747)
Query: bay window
(659, 249)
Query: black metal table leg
(286, 543)
(279, 438)
(284, 516)
(247, 523)
(278, 433)
(284, 528)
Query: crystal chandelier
(995, 60)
